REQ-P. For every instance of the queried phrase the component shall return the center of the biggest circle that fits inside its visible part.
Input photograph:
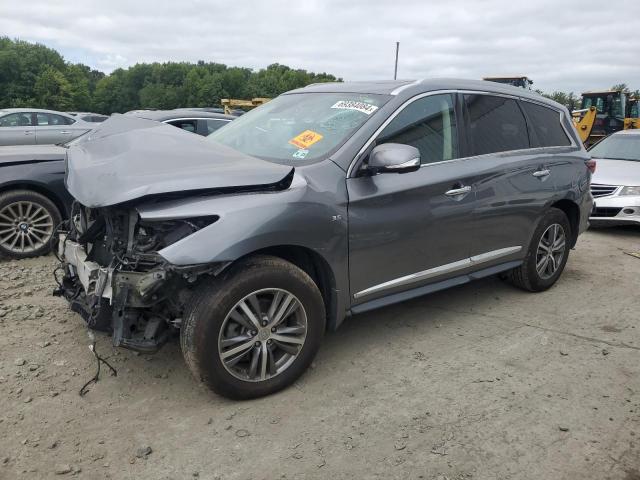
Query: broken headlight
(154, 236)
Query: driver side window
(429, 124)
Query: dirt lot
(479, 382)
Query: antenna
(395, 71)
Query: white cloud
(561, 44)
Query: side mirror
(394, 158)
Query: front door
(17, 129)
(406, 230)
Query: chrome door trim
(438, 271)
(541, 173)
(458, 191)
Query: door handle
(454, 192)
(541, 173)
(65, 132)
(28, 132)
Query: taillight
(591, 165)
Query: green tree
(37, 76)
(52, 90)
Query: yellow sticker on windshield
(306, 139)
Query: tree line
(36, 76)
(33, 75)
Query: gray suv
(328, 201)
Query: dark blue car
(33, 198)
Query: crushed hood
(127, 158)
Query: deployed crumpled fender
(127, 158)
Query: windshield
(299, 128)
(610, 103)
(618, 147)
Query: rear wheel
(255, 329)
(27, 222)
(547, 255)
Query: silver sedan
(32, 126)
(616, 184)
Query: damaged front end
(115, 279)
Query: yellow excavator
(602, 113)
(230, 104)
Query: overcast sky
(562, 44)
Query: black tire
(526, 276)
(213, 300)
(39, 200)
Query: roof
(409, 88)
(600, 92)
(36, 110)
(163, 115)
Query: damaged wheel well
(313, 265)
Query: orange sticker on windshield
(306, 139)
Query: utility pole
(395, 71)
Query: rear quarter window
(545, 126)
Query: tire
(527, 276)
(212, 328)
(27, 222)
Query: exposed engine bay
(115, 279)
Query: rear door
(512, 183)
(407, 230)
(17, 129)
(52, 128)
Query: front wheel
(547, 255)
(255, 329)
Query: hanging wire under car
(83, 391)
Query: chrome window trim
(438, 271)
(374, 136)
(401, 88)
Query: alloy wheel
(262, 335)
(551, 250)
(25, 227)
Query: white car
(615, 185)
(33, 126)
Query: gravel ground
(479, 382)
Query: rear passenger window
(546, 127)
(496, 124)
(429, 124)
(213, 125)
(188, 125)
(51, 119)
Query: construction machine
(602, 113)
(230, 104)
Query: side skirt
(433, 287)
